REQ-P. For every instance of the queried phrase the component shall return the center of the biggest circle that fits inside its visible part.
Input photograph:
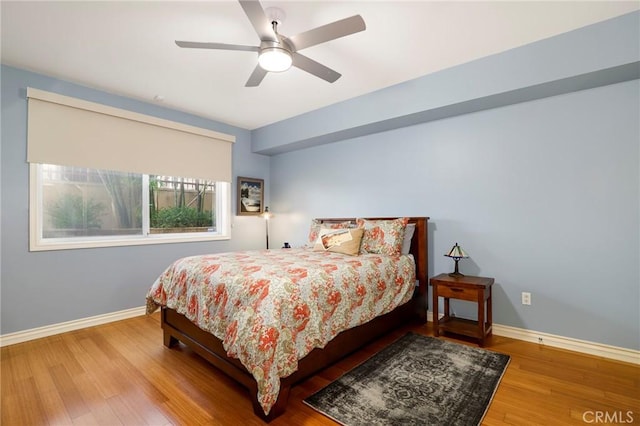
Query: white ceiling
(127, 48)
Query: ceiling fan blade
(259, 20)
(328, 32)
(315, 68)
(198, 45)
(256, 77)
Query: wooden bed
(177, 327)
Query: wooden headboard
(419, 250)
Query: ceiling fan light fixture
(274, 59)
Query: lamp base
(456, 272)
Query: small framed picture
(250, 196)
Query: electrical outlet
(526, 298)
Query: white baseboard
(569, 343)
(583, 346)
(63, 327)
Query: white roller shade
(72, 132)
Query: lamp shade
(274, 59)
(267, 214)
(457, 252)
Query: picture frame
(250, 196)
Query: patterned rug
(417, 380)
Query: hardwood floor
(121, 374)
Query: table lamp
(456, 253)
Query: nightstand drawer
(454, 292)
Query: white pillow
(408, 234)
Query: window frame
(38, 243)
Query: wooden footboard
(177, 327)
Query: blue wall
(45, 288)
(530, 159)
(543, 195)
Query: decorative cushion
(316, 226)
(383, 236)
(345, 241)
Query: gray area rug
(417, 380)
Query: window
(74, 207)
(101, 176)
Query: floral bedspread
(270, 308)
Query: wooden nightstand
(472, 289)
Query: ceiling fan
(278, 53)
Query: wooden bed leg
(277, 409)
(169, 340)
(422, 309)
